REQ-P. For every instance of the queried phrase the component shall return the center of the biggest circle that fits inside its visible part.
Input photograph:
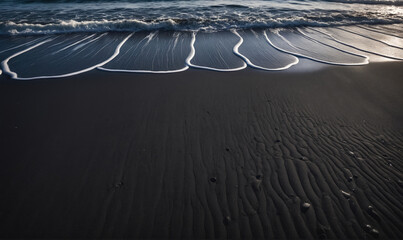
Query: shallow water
(153, 52)
(256, 51)
(215, 51)
(53, 56)
(52, 39)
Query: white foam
(381, 32)
(21, 45)
(143, 71)
(236, 51)
(5, 66)
(366, 58)
(15, 76)
(193, 52)
(374, 39)
(101, 25)
(149, 37)
(308, 57)
(176, 37)
(73, 44)
(86, 43)
(357, 48)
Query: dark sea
(61, 16)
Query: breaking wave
(57, 16)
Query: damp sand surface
(204, 154)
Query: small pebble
(227, 220)
(346, 194)
(227, 149)
(367, 228)
(305, 206)
(277, 141)
(351, 153)
(374, 232)
(213, 179)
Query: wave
(134, 25)
(383, 2)
(43, 17)
(376, 2)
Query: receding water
(52, 39)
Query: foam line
(15, 76)
(92, 40)
(349, 45)
(305, 56)
(148, 37)
(236, 51)
(341, 50)
(371, 38)
(193, 52)
(5, 66)
(73, 44)
(381, 32)
(143, 71)
(21, 45)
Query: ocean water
(58, 38)
(61, 16)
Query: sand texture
(202, 154)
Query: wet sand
(202, 154)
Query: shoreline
(66, 55)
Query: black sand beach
(202, 154)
